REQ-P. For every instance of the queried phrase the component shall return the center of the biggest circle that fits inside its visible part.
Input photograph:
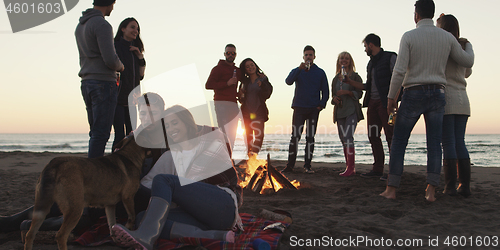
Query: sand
(332, 211)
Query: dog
(75, 183)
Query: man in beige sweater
(420, 69)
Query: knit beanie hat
(103, 2)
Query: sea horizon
(484, 149)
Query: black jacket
(131, 76)
(266, 89)
(382, 64)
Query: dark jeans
(301, 116)
(254, 131)
(430, 102)
(454, 137)
(200, 204)
(122, 123)
(100, 101)
(377, 119)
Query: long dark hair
(186, 117)
(245, 78)
(119, 33)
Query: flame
(251, 167)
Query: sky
(40, 87)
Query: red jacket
(218, 81)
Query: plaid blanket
(99, 234)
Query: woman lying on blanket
(197, 175)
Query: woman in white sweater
(457, 112)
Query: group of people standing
(427, 75)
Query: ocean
(484, 150)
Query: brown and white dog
(75, 183)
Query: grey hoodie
(94, 37)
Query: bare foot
(389, 193)
(429, 193)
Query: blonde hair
(350, 68)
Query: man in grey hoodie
(99, 65)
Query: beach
(329, 211)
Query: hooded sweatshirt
(94, 38)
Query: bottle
(117, 78)
(344, 74)
(234, 73)
(392, 118)
(308, 65)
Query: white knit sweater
(423, 55)
(457, 102)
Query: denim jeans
(100, 99)
(200, 204)
(454, 137)
(377, 119)
(430, 102)
(228, 115)
(301, 116)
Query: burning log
(260, 183)
(271, 180)
(279, 177)
(255, 176)
(265, 179)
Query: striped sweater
(423, 55)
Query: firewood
(255, 176)
(271, 180)
(282, 180)
(260, 183)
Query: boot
(464, 177)
(450, 176)
(11, 223)
(349, 156)
(49, 224)
(180, 230)
(148, 232)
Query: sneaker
(308, 171)
(287, 169)
(383, 177)
(371, 174)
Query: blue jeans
(430, 102)
(100, 99)
(301, 116)
(454, 137)
(200, 204)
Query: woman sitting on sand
(197, 175)
(255, 89)
(347, 111)
(456, 114)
